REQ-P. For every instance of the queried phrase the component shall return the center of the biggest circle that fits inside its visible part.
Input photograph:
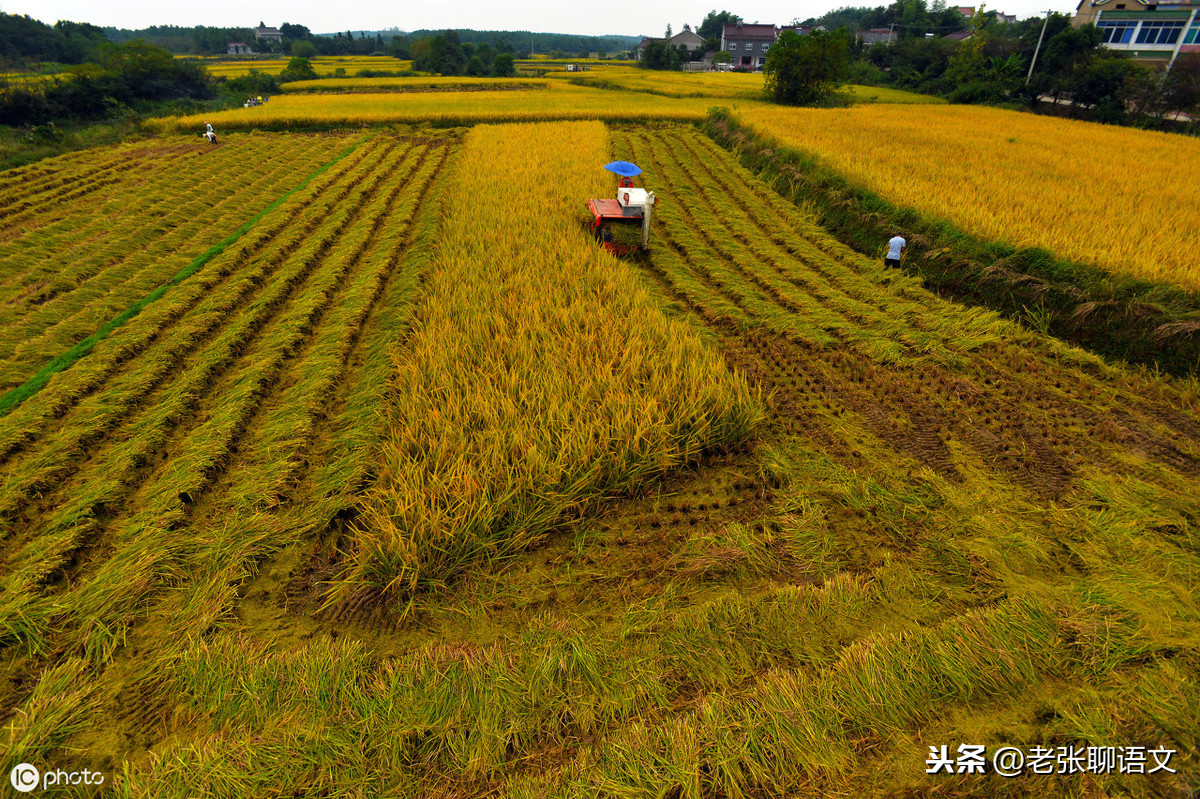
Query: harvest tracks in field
(819, 325)
(949, 528)
(150, 478)
(70, 265)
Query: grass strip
(35, 384)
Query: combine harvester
(613, 219)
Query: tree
(398, 47)
(476, 68)
(81, 41)
(660, 55)
(298, 69)
(22, 37)
(295, 32)
(420, 51)
(147, 71)
(723, 57)
(714, 22)
(806, 70)
(969, 63)
(1099, 79)
(1183, 85)
(503, 66)
(486, 54)
(303, 49)
(446, 56)
(1064, 45)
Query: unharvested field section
(558, 101)
(1022, 179)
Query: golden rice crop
(321, 65)
(540, 376)
(556, 102)
(743, 85)
(410, 84)
(1101, 195)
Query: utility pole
(1037, 49)
(1178, 42)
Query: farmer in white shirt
(895, 250)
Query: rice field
(1018, 178)
(557, 101)
(732, 85)
(322, 65)
(410, 84)
(345, 463)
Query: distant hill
(520, 40)
(205, 40)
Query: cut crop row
(915, 407)
(63, 302)
(253, 505)
(74, 177)
(89, 187)
(223, 408)
(835, 274)
(861, 279)
(218, 311)
(149, 191)
(138, 222)
(793, 284)
(204, 302)
(718, 268)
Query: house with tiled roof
(688, 39)
(748, 44)
(265, 34)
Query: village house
(1150, 32)
(265, 34)
(239, 48)
(748, 44)
(876, 36)
(687, 39)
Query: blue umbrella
(624, 168)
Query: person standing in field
(895, 250)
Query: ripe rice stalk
(1022, 179)
(563, 384)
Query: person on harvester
(626, 182)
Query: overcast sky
(552, 16)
